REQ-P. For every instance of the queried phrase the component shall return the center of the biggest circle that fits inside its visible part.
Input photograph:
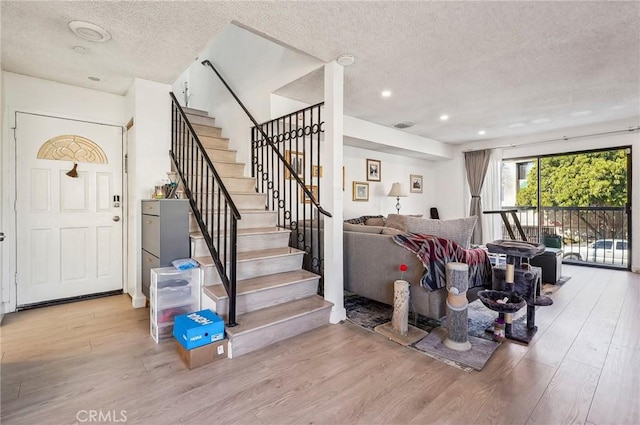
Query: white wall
(453, 190)
(254, 67)
(27, 94)
(149, 142)
(394, 168)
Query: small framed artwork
(415, 183)
(360, 191)
(313, 189)
(296, 160)
(373, 170)
(317, 171)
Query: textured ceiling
(509, 68)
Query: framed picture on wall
(313, 189)
(374, 171)
(317, 171)
(415, 183)
(360, 191)
(296, 160)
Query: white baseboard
(337, 315)
(635, 269)
(139, 301)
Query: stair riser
(267, 298)
(239, 185)
(203, 130)
(252, 219)
(245, 243)
(249, 220)
(226, 169)
(248, 201)
(211, 142)
(200, 120)
(221, 155)
(191, 111)
(263, 337)
(255, 268)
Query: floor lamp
(397, 191)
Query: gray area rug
(480, 352)
(369, 314)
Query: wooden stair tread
(254, 255)
(191, 111)
(249, 231)
(254, 320)
(259, 283)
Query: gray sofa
(372, 262)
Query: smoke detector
(90, 32)
(404, 124)
(346, 59)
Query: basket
(490, 300)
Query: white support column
(333, 131)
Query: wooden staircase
(276, 298)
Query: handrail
(191, 154)
(232, 205)
(270, 142)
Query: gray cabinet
(165, 235)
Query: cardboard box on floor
(203, 355)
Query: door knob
(1, 236)
(116, 218)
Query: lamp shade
(397, 191)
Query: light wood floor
(583, 367)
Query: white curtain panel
(491, 198)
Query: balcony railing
(594, 235)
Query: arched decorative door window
(71, 147)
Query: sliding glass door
(578, 202)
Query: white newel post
(332, 200)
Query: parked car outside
(602, 251)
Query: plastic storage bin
(172, 293)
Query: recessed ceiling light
(93, 78)
(346, 59)
(444, 117)
(386, 93)
(80, 49)
(482, 132)
(89, 31)
(516, 125)
(580, 113)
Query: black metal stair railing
(273, 169)
(212, 206)
(298, 138)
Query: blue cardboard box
(197, 329)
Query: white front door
(69, 230)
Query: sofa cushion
(374, 221)
(397, 221)
(362, 229)
(458, 230)
(362, 219)
(391, 231)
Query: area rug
(479, 354)
(550, 288)
(370, 314)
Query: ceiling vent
(404, 124)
